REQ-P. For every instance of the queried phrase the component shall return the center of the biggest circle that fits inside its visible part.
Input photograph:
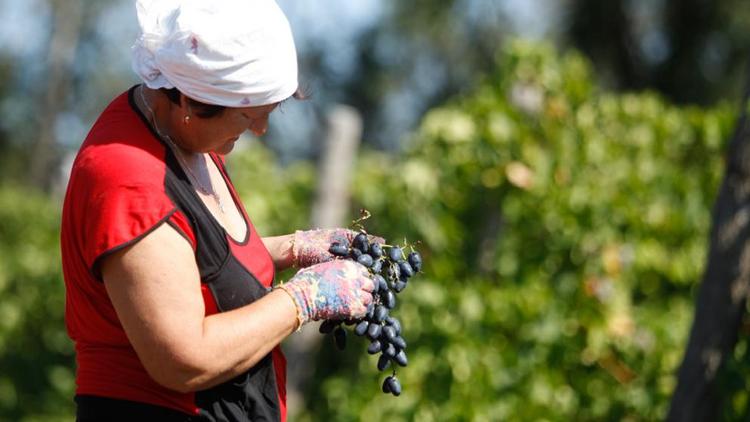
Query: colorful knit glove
(311, 246)
(338, 289)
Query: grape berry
(391, 270)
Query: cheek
(234, 129)
(222, 133)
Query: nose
(259, 126)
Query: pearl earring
(186, 120)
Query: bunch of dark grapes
(391, 269)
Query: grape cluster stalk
(391, 269)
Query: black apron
(251, 396)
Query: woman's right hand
(338, 289)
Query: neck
(195, 163)
(150, 107)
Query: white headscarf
(233, 53)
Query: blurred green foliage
(37, 377)
(563, 229)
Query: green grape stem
(357, 224)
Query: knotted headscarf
(233, 53)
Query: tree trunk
(723, 292)
(604, 31)
(335, 174)
(329, 210)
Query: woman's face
(219, 133)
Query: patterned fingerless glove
(311, 246)
(338, 289)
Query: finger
(346, 234)
(368, 284)
(360, 269)
(376, 239)
(325, 257)
(365, 277)
(367, 300)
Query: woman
(167, 282)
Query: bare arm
(280, 248)
(154, 286)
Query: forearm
(233, 342)
(236, 340)
(280, 248)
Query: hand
(338, 289)
(311, 247)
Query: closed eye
(251, 119)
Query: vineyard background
(563, 213)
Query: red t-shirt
(116, 195)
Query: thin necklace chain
(182, 161)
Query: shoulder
(120, 149)
(120, 164)
(117, 187)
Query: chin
(225, 149)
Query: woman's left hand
(311, 246)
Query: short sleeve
(119, 199)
